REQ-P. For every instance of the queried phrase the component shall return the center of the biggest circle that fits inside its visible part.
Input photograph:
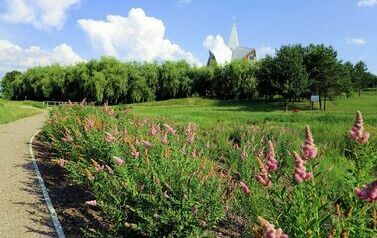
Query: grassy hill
(11, 110)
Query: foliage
(293, 73)
(167, 184)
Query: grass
(330, 124)
(11, 110)
(160, 187)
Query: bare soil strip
(23, 212)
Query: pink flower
(243, 154)
(111, 172)
(135, 154)
(146, 143)
(116, 132)
(89, 124)
(308, 149)
(245, 189)
(202, 223)
(271, 164)
(300, 169)
(109, 138)
(368, 193)
(190, 133)
(357, 132)
(169, 129)
(92, 203)
(62, 162)
(67, 137)
(118, 160)
(154, 130)
(263, 176)
(107, 110)
(194, 210)
(270, 231)
(164, 139)
(99, 167)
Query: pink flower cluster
(300, 169)
(308, 149)
(271, 162)
(263, 176)
(109, 138)
(169, 129)
(270, 231)
(154, 130)
(357, 132)
(245, 188)
(62, 163)
(190, 133)
(89, 124)
(119, 161)
(107, 110)
(368, 193)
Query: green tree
(359, 76)
(9, 86)
(322, 65)
(265, 76)
(289, 74)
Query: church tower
(233, 39)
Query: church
(238, 52)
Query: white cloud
(355, 41)
(135, 37)
(217, 46)
(366, 3)
(14, 57)
(42, 14)
(263, 51)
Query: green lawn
(333, 123)
(11, 110)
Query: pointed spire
(233, 39)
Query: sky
(42, 32)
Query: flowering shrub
(158, 179)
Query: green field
(333, 123)
(11, 110)
(153, 174)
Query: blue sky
(39, 32)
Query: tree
(265, 76)
(8, 84)
(321, 64)
(359, 76)
(289, 73)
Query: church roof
(241, 53)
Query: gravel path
(23, 212)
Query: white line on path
(58, 228)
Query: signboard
(314, 98)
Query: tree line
(295, 72)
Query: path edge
(55, 220)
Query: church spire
(233, 39)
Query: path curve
(23, 212)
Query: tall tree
(289, 74)
(322, 65)
(359, 76)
